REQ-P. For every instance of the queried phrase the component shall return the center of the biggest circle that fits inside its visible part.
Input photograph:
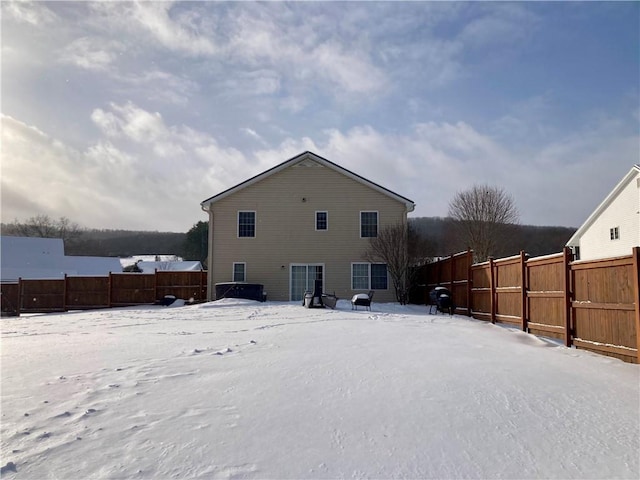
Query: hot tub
(248, 291)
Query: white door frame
(291, 265)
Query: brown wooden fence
(115, 290)
(593, 305)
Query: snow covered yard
(238, 389)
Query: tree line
(191, 245)
(431, 237)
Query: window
(378, 276)
(369, 276)
(239, 272)
(368, 224)
(322, 221)
(246, 224)
(614, 233)
(360, 276)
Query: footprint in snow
(9, 467)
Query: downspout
(210, 286)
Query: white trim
(316, 220)
(255, 223)
(377, 221)
(233, 271)
(291, 265)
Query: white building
(44, 258)
(613, 229)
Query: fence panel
(604, 307)
(481, 294)
(186, 285)
(545, 296)
(83, 293)
(508, 290)
(129, 289)
(42, 296)
(10, 297)
(453, 273)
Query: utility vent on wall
(308, 163)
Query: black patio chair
(362, 301)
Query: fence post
(566, 260)
(19, 304)
(64, 294)
(109, 288)
(636, 295)
(492, 288)
(469, 280)
(155, 285)
(452, 272)
(523, 292)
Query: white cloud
(506, 24)
(92, 53)
(34, 13)
(150, 185)
(259, 40)
(130, 121)
(251, 133)
(175, 33)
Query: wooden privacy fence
(593, 305)
(115, 290)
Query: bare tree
(483, 214)
(44, 226)
(401, 249)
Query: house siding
(286, 203)
(622, 212)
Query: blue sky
(128, 115)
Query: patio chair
(363, 300)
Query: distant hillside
(534, 240)
(437, 231)
(124, 243)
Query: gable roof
(31, 257)
(410, 205)
(635, 170)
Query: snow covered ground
(238, 389)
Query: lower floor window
(369, 276)
(239, 272)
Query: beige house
(305, 219)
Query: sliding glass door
(303, 279)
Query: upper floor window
(246, 224)
(368, 224)
(614, 233)
(239, 272)
(322, 221)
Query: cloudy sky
(128, 115)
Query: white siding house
(613, 229)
